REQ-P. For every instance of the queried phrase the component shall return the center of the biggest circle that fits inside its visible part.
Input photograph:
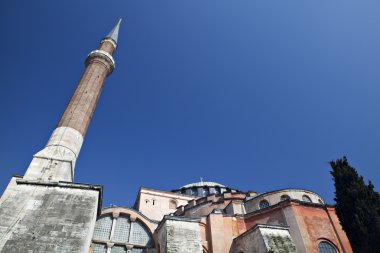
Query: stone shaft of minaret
(56, 162)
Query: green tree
(357, 206)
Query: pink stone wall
(156, 204)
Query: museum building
(46, 211)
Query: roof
(200, 184)
(114, 33)
(280, 190)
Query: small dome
(200, 184)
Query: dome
(200, 184)
(202, 189)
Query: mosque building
(46, 211)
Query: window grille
(137, 250)
(206, 191)
(263, 204)
(140, 235)
(134, 233)
(122, 228)
(103, 228)
(325, 247)
(99, 248)
(118, 249)
(306, 198)
(284, 197)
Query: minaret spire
(56, 161)
(114, 33)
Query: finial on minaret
(114, 33)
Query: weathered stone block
(47, 217)
(264, 239)
(176, 234)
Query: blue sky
(255, 94)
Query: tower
(56, 161)
(44, 211)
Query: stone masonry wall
(249, 243)
(179, 236)
(264, 239)
(41, 218)
(277, 240)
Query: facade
(230, 221)
(46, 211)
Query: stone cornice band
(110, 41)
(102, 55)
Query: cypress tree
(357, 206)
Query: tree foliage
(357, 206)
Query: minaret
(44, 211)
(56, 162)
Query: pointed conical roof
(114, 33)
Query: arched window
(284, 197)
(326, 247)
(306, 198)
(217, 190)
(263, 204)
(194, 191)
(183, 191)
(172, 204)
(206, 191)
(126, 231)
